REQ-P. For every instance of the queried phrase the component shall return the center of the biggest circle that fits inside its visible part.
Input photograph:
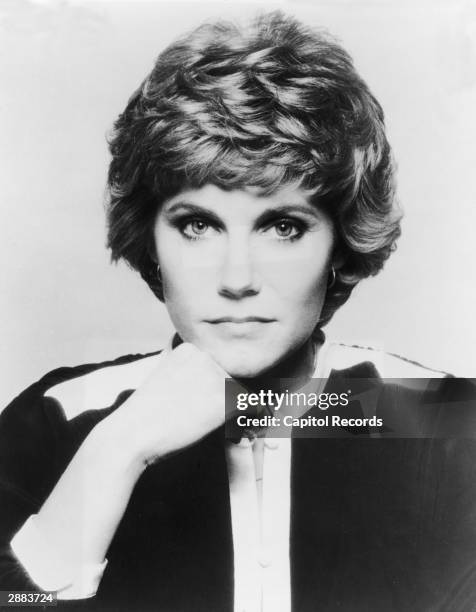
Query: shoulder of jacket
(341, 356)
(97, 386)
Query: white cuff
(46, 568)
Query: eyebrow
(284, 209)
(194, 209)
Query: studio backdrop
(67, 69)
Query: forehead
(243, 202)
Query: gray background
(67, 69)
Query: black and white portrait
(271, 197)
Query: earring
(333, 278)
(156, 285)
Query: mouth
(243, 328)
(240, 320)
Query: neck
(291, 372)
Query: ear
(151, 250)
(338, 259)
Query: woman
(251, 185)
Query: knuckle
(184, 347)
(184, 350)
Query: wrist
(112, 443)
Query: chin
(245, 370)
(244, 364)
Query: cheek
(300, 280)
(187, 294)
(177, 282)
(180, 293)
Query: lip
(239, 320)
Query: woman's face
(244, 276)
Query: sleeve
(44, 565)
(33, 455)
(443, 417)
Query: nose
(238, 274)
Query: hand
(178, 404)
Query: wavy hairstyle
(272, 104)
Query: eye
(284, 229)
(288, 229)
(198, 226)
(193, 229)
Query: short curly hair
(268, 105)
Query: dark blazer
(376, 524)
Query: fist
(180, 402)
